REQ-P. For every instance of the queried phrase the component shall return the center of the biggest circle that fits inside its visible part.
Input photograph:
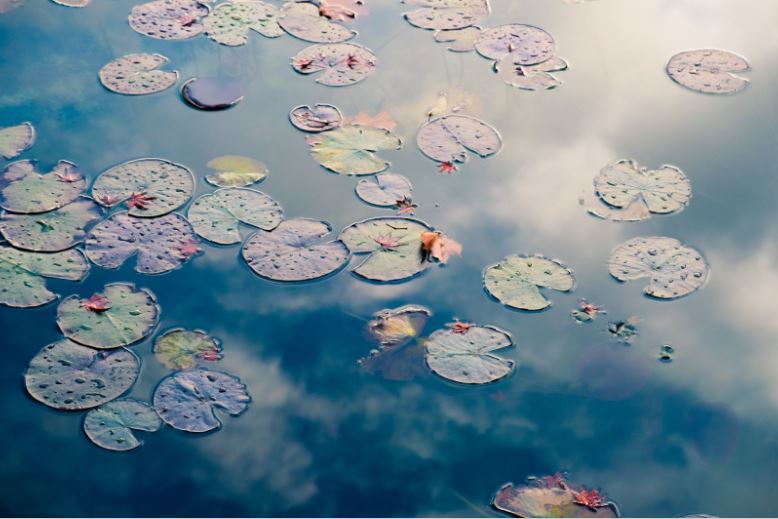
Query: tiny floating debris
(624, 331)
(212, 93)
(666, 353)
(586, 312)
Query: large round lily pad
(340, 64)
(110, 426)
(235, 171)
(709, 71)
(530, 77)
(319, 118)
(181, 349)
(302, 20)
(447, 14)
(394, 246)
(295, 251)
(119, 316)
(394, 328)
(138, 74)
(516, 281)
(22, 274)
(161, 244)
(23, 189)
(16, 139)
(674, 269)
(539, 500)
(466, 356)
(66, 375)
(218, 215)
(448, 138)
(54, 231)
(150, 187)
(522, 44)
(169, 19)
(385, 190)
(351, 149)
(188, 400)
(230, 23)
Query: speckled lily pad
(521, 44)
(385, 190)
(320, 118)
(340, 64)
(23, 189)
(516, 281)
(709, 71)
(351, 149)
(459, 40)
(538, 500)
(181, 349)
(169, 19)
(467, 357)
(218, 215)
(302, 20)
(16, 139)
(294, 251)
(188, 400)
(69, 376)
(530, 77)
(447, 14)
(138, 74)
(111, 425)
(54, 231)
(230, 23)
(448, 138)
(235, 171)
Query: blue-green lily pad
(516, 281)
(54, 231)
(181, 349)
(465, 355)
(110, 426)
(23, 189)
(216, 216)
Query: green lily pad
(351, 149)
(230, 23)
(516, 281)
(467, 357)
(110, 426)
(302, 20)
(521, 44)
(384, 190)
(181, 349)
(709, 71)
(235, 171)
(447, 14)
(22, 274)
(23, 189)
(159, 186)
(169, 19)
(340, 64)
(538, 500)
(217, 216)
(128, 316)
(54, 231)
(16, 139)
(448, 138)
(393, 244)
(138, 74)
(68, 376)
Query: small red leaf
(97, 303)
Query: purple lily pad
(54, 231)
(523, 44)
(448, 138)
(212, 93)
(169, 19)
(302, 20)
(320, 118)
(709, 71)
(342, 64)
(23, 189)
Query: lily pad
(294, 251)
(54, 231)
(448, 138)
(394, 328)
(709, 71)
(530, 77)
(128, 316)
(69, 376)
(351, 149)
(384, 190)
(341, 64)
(188, 400)
(138, 74)
(447, 14)
(320, 118)
(401, 363)
(181, 349)
(538, 500)
(73, 3)
(230, 23)
(169, 19)
(674, 269)
(235, 171)
(393, 244)
(22, 274)
(302, 20)
(521, 44)
(459, 40)
(161, 244)
(212, 93)
(516, 281)
(110, 426)
(466, 356)
(216, 216)
(16, 139)
(24, 190)
(151, 187)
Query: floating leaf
(168, 19)
(72, 3)
(397, 327)
(180, 348)
(131, 315)
(350, 150)
(212, 93)
(635, 211)
(230, 23)
(22, 274)
(447, 139)
(294, 251)
(235, 171)
(216, 216)
(188, 400)
(447, 14)
(516, 281)
(521, 44)
(674, 269)
(384, 190)
(69, 376)
(439, 247)
(709, 71)
(162, 244)
(538, 500)
(164, 186)
(16, 139)
(586, 312)
(138, 74)
(24, 190)
(530, 77)
(320, 118)
(110, 426)
(460, 40)
(302, 20)
(467, 357)
(380, 120)
(666, 353)
(624, 331)
(401, 363)
(343, 63)
(54, 231)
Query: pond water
(322, 437)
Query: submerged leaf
(384, 190)
(447, 14)
(404, 362)
(519, 44)
(350, 150)
(459, 40)
(24, 190)
(530, 77)
(54, 231)
(216, 216)
(342, 64)
(22, 274)
(320, 118)
(394, 328)
(235, 171)
(516, 281)
(180, 348)
(110, 426)
(138, 74)
(538, 499)
(212, 93)
(447, 139)
(466, 357)
(230, 23)
(304, 21)
(168, 19)
(709, 71)
(16, 139)
(72, 3)
(380, 120)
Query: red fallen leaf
(589, 498)
(590, 309)
(303, 63)
(190, 248)
(140, 200)
(210, 356)
(555, 480)
(335, 10)
(108, 200)
(68, 177)
(406, 206)
(380, 120)
(460, 327)
(387, 242)
(97, 303)
(447, 167)
(438, 246)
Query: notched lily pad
(169, 19)
(23, 189)
(351, 149)
(674, 269)
(181, 349)
(69, 376)
(340, 64)
(302, 20)
(16, 139)
(119, 316)
(217, 216)
(554, 498)
(446, 14)
(188, 400)
(459, 40)
(54, 231)
(235, 171)
(295, 251)
(22, 283)
(518, 43)
(530, 77)
(320, 118)
(448, 138)
(230, 22)
(212, 93)
(465, 355)
(709, 71)
(516, 281)
(111, 426)
(138, 74)
(384, 190)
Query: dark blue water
(323, 438)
